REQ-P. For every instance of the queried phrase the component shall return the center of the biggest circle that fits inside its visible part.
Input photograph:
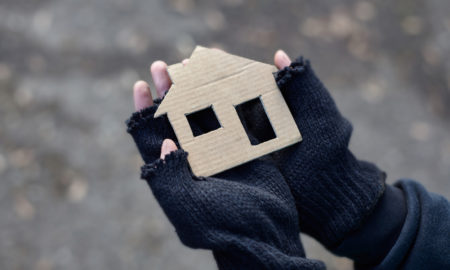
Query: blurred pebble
(437, 103)
(47, 129)
(373, 92)
(447, 24)
(312, 27)
(64, 256)
(138, 43)
(260, 37)
(23, 96)
(77, 190)
(37, 63)
(147, 233)
(341, 25)
(23, 208)
(127, 78)
(5, 72)
(215, 20)
(102, 87)
(445, 153)
(431, 54)
(21, 158)
(365, 11)
(108, 132)
(43, 264)
(358, 47)
(392, 157)
(132, 41)
(13, 21)
(448, 81)
(2, 163)
(125, 5)
(42, 21)
(412, 25)
(420, 131)
(233, 3)
(182, 6)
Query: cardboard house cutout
(214, 84)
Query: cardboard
(213, 78)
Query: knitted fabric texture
(245, 215)
(334, 192)
(149, 132)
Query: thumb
(170, 170)
(167, 146)
(281, 59)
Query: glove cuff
(140, 117)
(172, 164)
(299, 67)
(339, 199)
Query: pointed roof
(205, 66)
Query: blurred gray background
(70, 192)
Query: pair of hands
(142, 95)
(245, 215)
(250, 216)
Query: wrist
(336, 200)
(371, 243)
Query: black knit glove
(245, 215)
(333, 190)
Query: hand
(245, 215)
(334, 192)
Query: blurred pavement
(70, 195)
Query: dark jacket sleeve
(424, 242)
(409, 229)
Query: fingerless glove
(334, 192)
(245, 215)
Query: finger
(142, 95)
(160, 77)
(281, 59)
(167, 146)
(185, 62)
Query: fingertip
(142, 95)
(160, 77)
(158, 66)
(167, 147)
(139, 85)
(281, 59)
(185, 62)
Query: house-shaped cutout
(213, 84)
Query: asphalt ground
(70, 195)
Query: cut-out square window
(203, 121)
(254, 118)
